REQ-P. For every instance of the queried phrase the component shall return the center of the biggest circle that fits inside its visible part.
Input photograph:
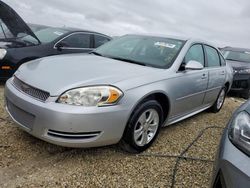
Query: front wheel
(143, 127)
(219, 101)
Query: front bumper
(232, 164)
(241, 82)
(66, 125)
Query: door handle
(204, 76)
(222, 73)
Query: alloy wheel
(146, 127)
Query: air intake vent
(31, 91)
(71, 135)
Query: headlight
(2, 53)
(244, 71)
(239, 132)
(91, 96)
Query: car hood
(11, 43)
(238, 64)
(13, 22)
(57, 74)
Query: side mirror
(193, 65)
(59, 46)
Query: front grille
(31, 91)
(72, 135)
(24, 118)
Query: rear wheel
(219, 101)
(143, 127)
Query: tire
(245, 95)
(219, 181)
(146, 128)
(219, 101)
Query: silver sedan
(123, 92)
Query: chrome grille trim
(71, 135)
(31, 91)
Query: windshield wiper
(128, 60)
(96, 53)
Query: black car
(19, 44)
(239, 59)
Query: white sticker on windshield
(58, 33)
(164, 44)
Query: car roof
(190, 39)
(236, 49)
(71, 29)
(68, 29)
(161, 35)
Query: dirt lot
(28, 162)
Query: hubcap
(221, 99)
(146, 127)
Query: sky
(222, 22)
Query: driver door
(75, 43)
(190, 85)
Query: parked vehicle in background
(19, 44)
(239, 59)
(37, 27)
(125, 91)
(232, 168)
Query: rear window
(222, 61)
(100, 40)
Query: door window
(213, 59)
(78, 40)
(222, 61)
(195, 53)
(100, 40)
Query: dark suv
(239, 59)
(19, 44)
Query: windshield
(4, 31)
(150, 51)
(17, 37)
(237, 56)
(46, 35)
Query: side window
(222, 61)
(100, 40)
(195, 53)
(78, 40)
(213, 59)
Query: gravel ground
(28, 162)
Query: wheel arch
(159, 96)
(227, 85)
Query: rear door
(216, 74)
